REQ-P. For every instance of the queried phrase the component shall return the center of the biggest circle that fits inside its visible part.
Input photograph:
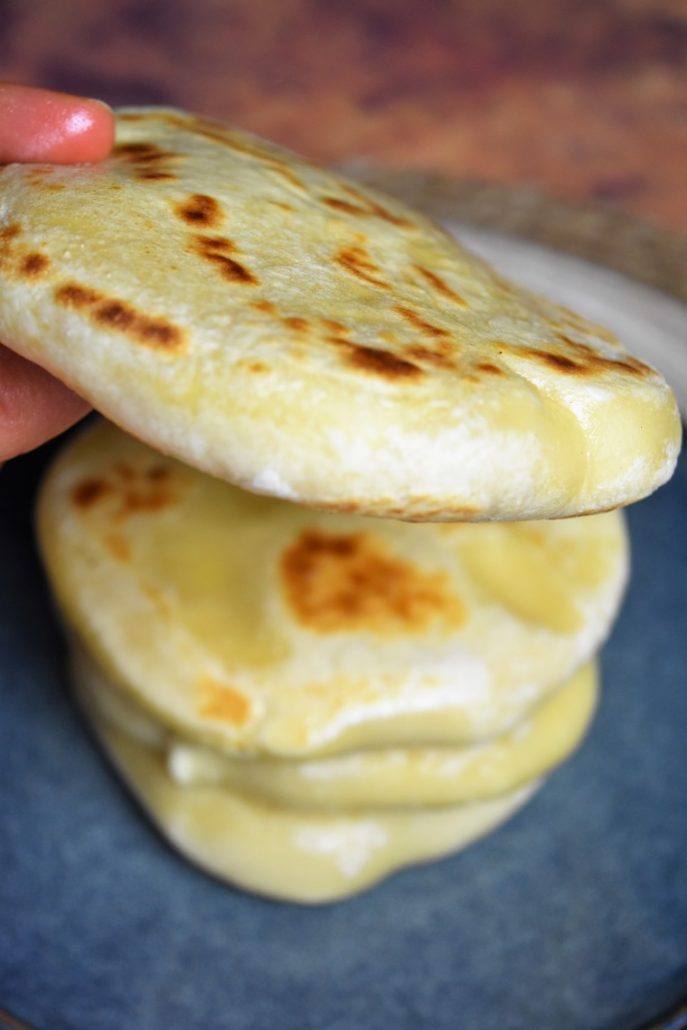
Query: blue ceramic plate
(573, 915)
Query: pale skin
(39, 125)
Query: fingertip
(41, 125)
(89, 132)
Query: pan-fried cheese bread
(289, 853)
(260, 627)
(304, 337)
(389, 779)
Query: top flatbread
(300, 336)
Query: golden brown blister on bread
(277, 326)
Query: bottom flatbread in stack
(306, 701)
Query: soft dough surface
(273, 324)
(257, 626)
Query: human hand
(38, 125)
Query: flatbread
(286, 853)
(280, 327)
(390, 779)
(261, 627)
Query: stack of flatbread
(368, 634)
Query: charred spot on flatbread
(127, 490)
(89, 491)
(356, 260)
(441, 287)
(221, 702)
(339, 583)
(148, 161)
(199, 209)
(427, 328)
(112, 313)
(379, 362)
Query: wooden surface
(584, 100)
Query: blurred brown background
(579, 99)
